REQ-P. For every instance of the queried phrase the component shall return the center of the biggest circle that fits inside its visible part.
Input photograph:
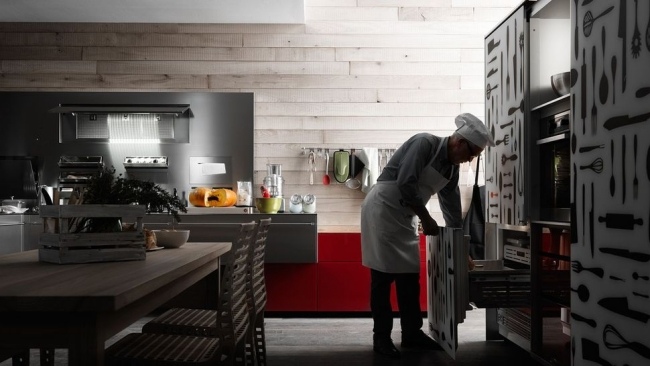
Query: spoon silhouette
(326, 177)
(604, 85)
(583, 293)
(636, 276)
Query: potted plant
(108, 189)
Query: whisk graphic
(596, 166)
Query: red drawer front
(291, 287)
(343, 286)
(339, 247)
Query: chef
(423, 166)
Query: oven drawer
(491, 285)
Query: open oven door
(447, 286)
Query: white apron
(389, 231)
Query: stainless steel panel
(292, 238)
(11, 232)
(222, 125)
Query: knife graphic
(622, 33)
(492, 45)
(625, 120)
(624, 253)
(620, 306)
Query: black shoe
(385, 347)
(421, 341)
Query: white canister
(295, 204)
(309, 203)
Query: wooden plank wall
(358, 73)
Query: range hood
(124, 123)
(128, 108)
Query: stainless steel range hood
(126, 123)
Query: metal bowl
(561, 83)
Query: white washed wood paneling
(357, 73)
(314, 13)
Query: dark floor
(348, 342)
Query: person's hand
(430, 227)
(470, 263)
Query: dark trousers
(408, 301)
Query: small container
(309, 203)
(295, 204)
(244, 193)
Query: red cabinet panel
(291, 287)
(339, 247)
(343, 286)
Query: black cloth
(474, 222)
(408, 301)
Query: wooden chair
(196, 336)
(256, 341)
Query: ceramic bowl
(268, 205)
(171, 238)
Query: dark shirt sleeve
(413, 160)
(449, 198)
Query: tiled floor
(348, 342)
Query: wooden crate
(58, 245)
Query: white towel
(370, 157)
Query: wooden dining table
(80, 306)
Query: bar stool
(256, 341)
(196, 336)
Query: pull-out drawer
(491, 285)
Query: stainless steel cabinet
(11, 234)
(292, 238)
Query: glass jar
(244, 193)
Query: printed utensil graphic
(592, 147)
(583, 293)
(583, 90)
(620, 306)
(505, 158)
(636, 276)
(589, 20)
(636, 36)
(591, 352)
(642, 92)
(624, 253)
(594, 110)
(622, 33)
(576, 33)
(596, 166)
(604, 84)
(635, 182)
(620, 221)
(592, 239)
(580, 318)
(512, 110)
(577, 267)
(492, 45)
(613, 339)
(647, 35)
(623, 185)
(489, 90)
(503, 141)
(612, 181)
(614, 79)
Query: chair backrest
(233, 310)
(257, 283)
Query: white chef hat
(473, 129)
